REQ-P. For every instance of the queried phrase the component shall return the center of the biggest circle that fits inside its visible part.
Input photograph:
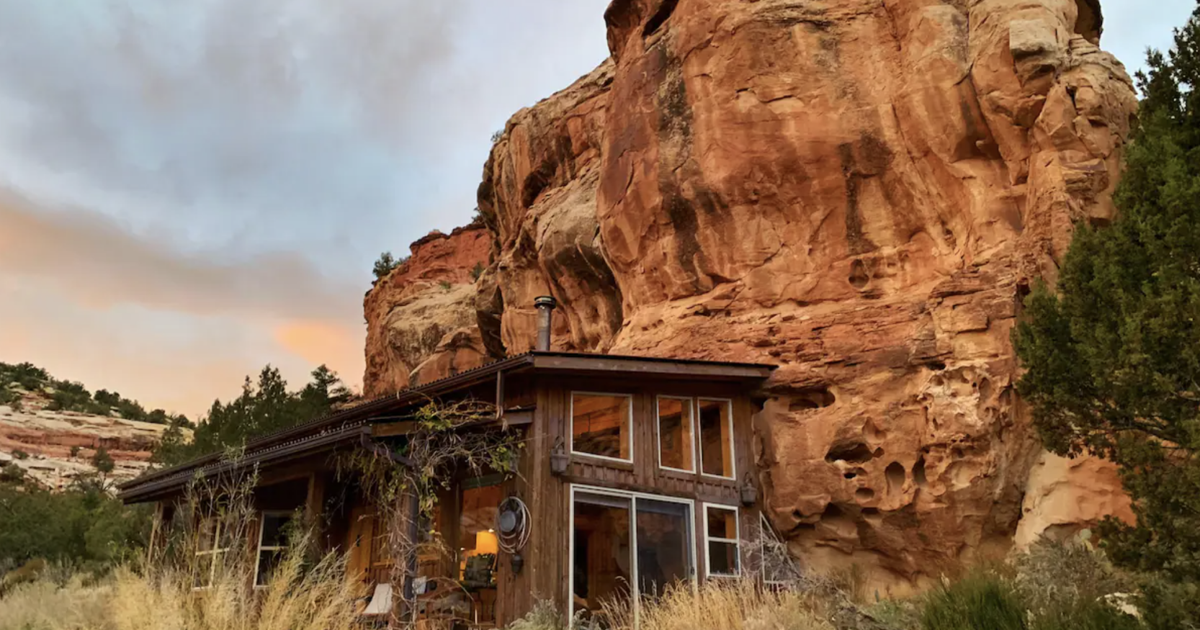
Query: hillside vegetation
(18, 380)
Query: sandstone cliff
(41, 442)
(421, 317)
(860, 191)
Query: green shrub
(84, 526)
(19, 454)
(1170, 606)
(894, 615)
(385, 264)
(12, 473)
(977, 602)
(544, 616)
(1053, 576)
(1086, 615)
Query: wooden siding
(547, 560)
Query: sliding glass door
(622, 541)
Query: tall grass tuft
(978, 602)
(296, 597)
(720, 605)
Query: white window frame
(633, 576)
(212, 553)
(736, 541)
(629, 426)
(262, 521)
(691, 401)
(700, 438)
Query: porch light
(559, 460)
(749, 490)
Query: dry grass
(297, 597)
(732, 605)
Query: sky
(190, 191)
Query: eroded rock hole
(856, 452)
(864, 494)
(660, 17)
(1091, 21)
(894, 474)
(919, 473)
(536, 182)
(859, 278)
(814, 398)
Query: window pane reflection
(716, 438)
(600, 425)
(675, 433)
(602, 562)
(663, 545)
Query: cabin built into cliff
(635, 473)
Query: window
(721, 541)
(676, 444)
(716, 438)
(626, 545)
(600, 425)
(478, 544)
(273, 533)
(212, 545)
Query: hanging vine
(446, 439)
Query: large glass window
(272, 544)
(602, 562)
(600, 425)
(664, 545)
(716, 438)
(676, 444)
(721, 541)
(622, 540)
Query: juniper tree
(1113, 358)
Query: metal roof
(359, 414)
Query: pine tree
(1113, 360)
(103, 462)
(264, 406)
(384, 265)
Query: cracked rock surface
(860, 191)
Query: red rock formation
(860, 191)
(47, 439)
(421, 317)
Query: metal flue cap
(545, 301)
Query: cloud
(319, 342)
(234, 126)
(91, 259)
(170, 360)
(189, 191)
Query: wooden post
(314, 505)
(412, 513)
(155, 525)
